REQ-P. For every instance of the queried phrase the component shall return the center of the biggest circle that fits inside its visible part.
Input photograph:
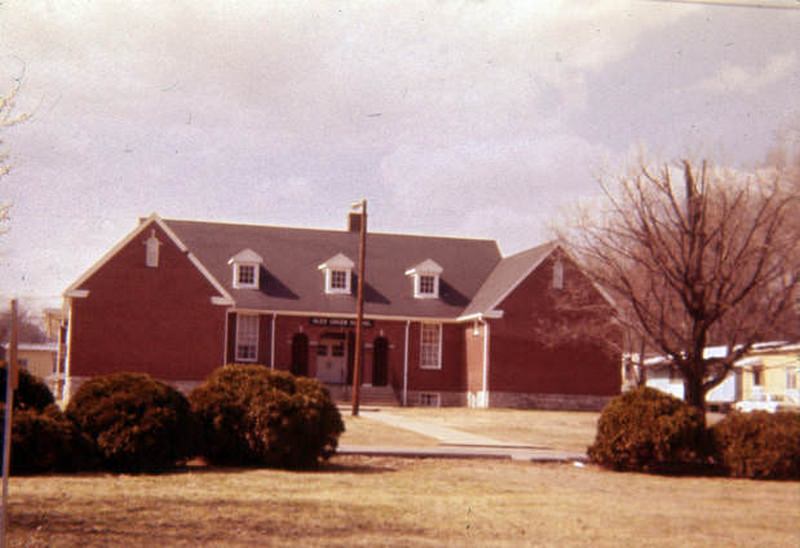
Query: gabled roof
(338, 261)
(506, 276)
(291, 281)
(33, 347)
(246, 256)
(75, 289)
(474, 278)
(428, 266)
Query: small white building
(39, 359)
(777, 362)
(663, 376)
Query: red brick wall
(474, 357)
(520, 362)
(153, 320)
(452, 375)
(287, 326)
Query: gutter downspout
(272, 342)
(485, 362)
(405, 366)
(67, 387)
(225, 337)
(56, 384)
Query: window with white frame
(339, 280)
(431, 346)
(246, 269)
(426, 276)
(338, 272)
(246, 338)
(245, 275)
(427, 284)
(791, 378)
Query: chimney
(354, 222)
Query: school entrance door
(332, 359)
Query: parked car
(771, 403)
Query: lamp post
(362, 249)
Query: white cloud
(737, 79)
(450, 116)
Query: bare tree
(29, 325)
(8, 118)
(712, 260)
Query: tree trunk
(694, 393)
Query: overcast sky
(468, 118)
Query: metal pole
(11, 382)
(362, 249)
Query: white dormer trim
(426, 279)
(246, 269)
(338, 272)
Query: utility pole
(362, 251)
(12, 379)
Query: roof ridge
(330, 230)
(537, 248)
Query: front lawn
(388, 501)
(560, 430)
(365, 431)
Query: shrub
(647, 430)
(136, 422)
(251, 415)
(45, 441)
(31, 393)
(759, 445)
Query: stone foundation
(446, 399)
(561, 402)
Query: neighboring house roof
(506, 276)
(292, 282)
(34, 347)
(753, 357)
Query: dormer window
(426, 279)
(246, 269)
(338, 272)
(151, 250)
(245, 275)
(427, 285)
(339, 280)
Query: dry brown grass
(561, 430)
(364, 431)
(385, 501)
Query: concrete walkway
(454, 443)
(445, 435)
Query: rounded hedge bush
(46, 441)
(648, 430)
(759, 445)
(253, 416)
(31, 393)
(137, 423)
